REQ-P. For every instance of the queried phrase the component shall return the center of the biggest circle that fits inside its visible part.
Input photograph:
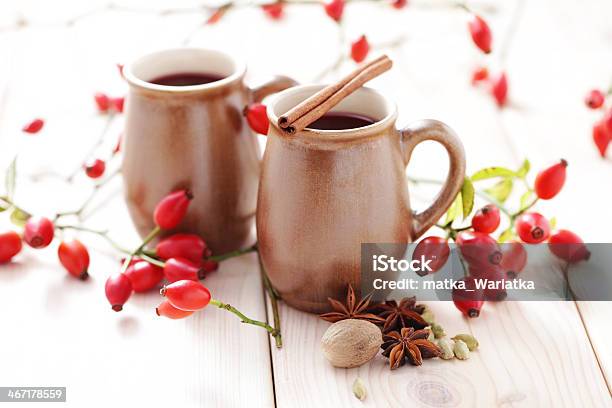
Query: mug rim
(342, 135)
(132, 79)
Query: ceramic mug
(324, 192)
(194, 137)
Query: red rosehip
(10, 245)
(608, 120)
(257, 118)
(186, 295)
(118, 289)
(601, 137)
(568, 246)
(102, 102)
(360, 49)
(73, 256)
(514, 259)
(38, 232)
(34, 126)
(469, 300)
(210, 266)
(478, 249)
(594, 99)
(399, 4)
(273, 10)
(216, 16)
(435, 249)
(172, 209)
(492, 273)
(486, 219)
(499, 89)
(532, 227)
(480, 74)
(334, 9)
(95, 168)
(550, 181)
(188, 246)
(177, 269)
(481, 33)
(117, 104)
(166, 309)
(144, 276)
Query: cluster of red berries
(179, 257)
(485, 258)
(107, 104)
(602, 129)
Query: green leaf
(453, 210)
(492, 172)
(467, 197)
(9, 178)
(526, 200)
(524, 169)
(553, 223)
(501, 190)
(507, 235)
(19, 217)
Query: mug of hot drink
(185, 130)
(336, 184)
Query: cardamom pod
(446, 346)
(468, 339)
(428, 316)
(461, 350)
(437, 330)
(430, 336)
(359, 389)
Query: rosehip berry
(568, 246)
(118, 289)
(334, 9)
(95, 168)
(188, 246)
(514, 259)
(499, 89)
(469, 300)
(486, 219)
(532, 227)
(216, 16)
(493, 273)
(177, 269)
(144, 276)
(34, 126)
(360, 49)
(481, 33)
(608, 120)
(435, 249)
(102, 102)
(210, 266)
(257, 118)
(186, 295)
(167, 310)
(117, 104)
(550, 181)
(480, 74)
(601, 137)
(10, 245)
(594, 99)
(73, 255)
(399, 4)
(172, 209)
(478, 249)
(273, 10)
(38, 232)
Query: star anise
(406, 314)
(351, 309)
(408, 344)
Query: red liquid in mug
(341, 121)
(186, 79)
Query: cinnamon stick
(320, 103)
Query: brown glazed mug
(193, 137)
(324, 192)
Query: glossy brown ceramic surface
(323, 193)
(195, 137)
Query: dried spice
(468, 339)
(446, 346)
(461, 350)
(397, 316)
(408, 344)
(437, 330)
(359, 389)
(351, 309)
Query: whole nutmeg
(351, 343)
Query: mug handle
(429, 129)
(276, 84)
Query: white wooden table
(59, 331)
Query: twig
(274, 297)
(226, 306)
